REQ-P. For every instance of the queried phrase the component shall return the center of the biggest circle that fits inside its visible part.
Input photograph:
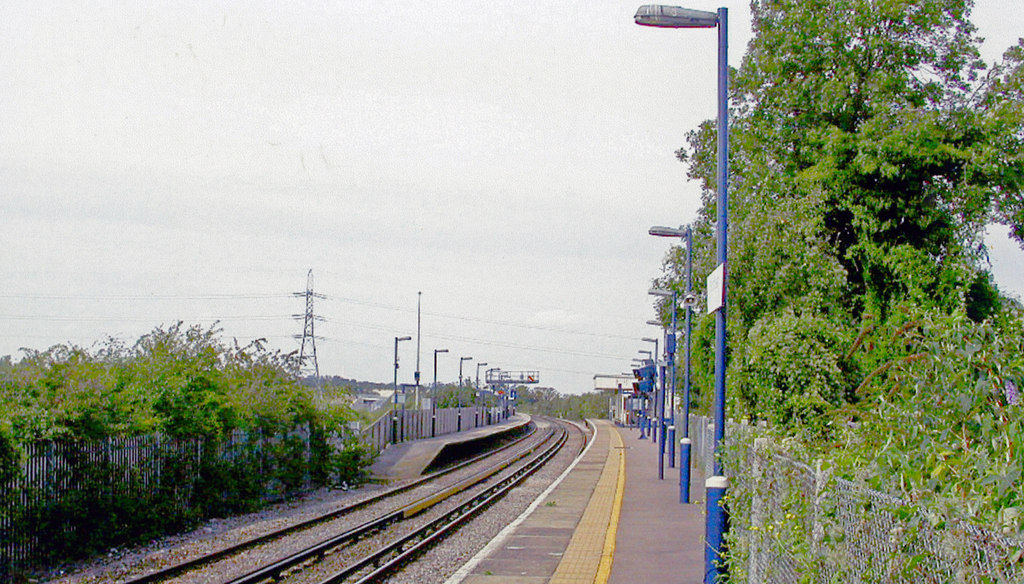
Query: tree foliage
(545, 401)
(870, 148)
(237, 429)
(184, 382)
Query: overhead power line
(90, 318)
(479, 319)
(144, 296)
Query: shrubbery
(179, 381)
(244, 431)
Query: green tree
(870, 148)
(450, 396)
(546, 401)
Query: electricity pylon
(308, 365)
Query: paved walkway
(659, 539)
(608, 519)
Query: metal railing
(106, 490)
(794, 522)
(416, 424)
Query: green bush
(791, 370)
(188, 385)
(349, 465)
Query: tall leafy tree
(870, 148)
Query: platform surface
(408, 460)
(608, 519)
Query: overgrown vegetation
(179, 381)
(237, 430)
(545, 401)
(870, 148)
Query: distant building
(373, 400)
(620, 389)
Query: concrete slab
(409, 460)
(659, 539)
(610, 520)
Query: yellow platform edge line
(604, 570)
(584, 555)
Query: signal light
(645, 372)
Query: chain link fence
(794, 522)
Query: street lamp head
(649, 340)
(655, 323)
(674, 17)
(659, 231)
(440, 350)
(403, 338)
(662, 293)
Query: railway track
(373, 537)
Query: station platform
(607, 519)
(409, 460)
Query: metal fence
(793, 522)
(416, 424)
(78, 489)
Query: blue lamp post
(676, 17)
(689, 300)
(461, 361)
(650, 404)
(669, 332)
(644, 372)
(638, 405)
(660, 404)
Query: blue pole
(714, 570)
(723, 230)
(684, 470)
(684, 449)
(686, 370)
(660, 412)
(717, 484)
(671, 441)
(670, 349)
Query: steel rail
(277, 568)
(420, 540)
(197, 562)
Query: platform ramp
(406, 461)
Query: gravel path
(118, 563)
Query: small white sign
(716, 288)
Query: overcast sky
(192, 160)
